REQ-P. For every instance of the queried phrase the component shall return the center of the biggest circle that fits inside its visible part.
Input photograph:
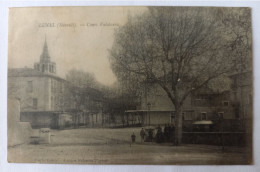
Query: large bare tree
(181, 49)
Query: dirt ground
(113, 146)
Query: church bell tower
(45, 65)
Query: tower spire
(45, 57)
(45, 65)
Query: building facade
(42, 94)
(202, 106)
(49, 101)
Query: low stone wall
(18, 132)
(40, 119)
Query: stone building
(40, 91)
(201, 107)
(49, 101)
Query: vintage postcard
(130, 85)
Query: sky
(77, 37)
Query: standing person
(172, 133)
(159, 135)
(133, 137)
(166, 132)
(159, 129)
(150, 134)
(142, 134)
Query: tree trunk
(178, 126)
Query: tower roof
(45, 57)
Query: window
(172, 117)
(220, 115)
(201, 100)
(35, 103)
(30, 86)
(52, 86)
(203, 116)
(225, 103)
(52, 103)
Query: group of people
(169, 131)
(165, 135)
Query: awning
(204, 122)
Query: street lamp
(149, 106)
(220, 119)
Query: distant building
(89, 107)
(203, 106)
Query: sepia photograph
(132, 85)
